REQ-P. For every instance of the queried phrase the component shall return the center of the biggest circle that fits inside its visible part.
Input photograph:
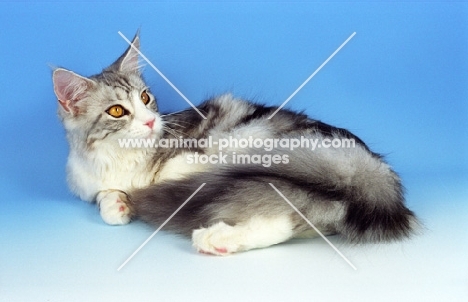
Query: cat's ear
(128, 62)
(70, 88)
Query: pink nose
(150, 123)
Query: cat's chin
(153, 135)
(150, 135)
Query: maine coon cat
(348, 190)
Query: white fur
(90, 173)
(138, 127)
(258, 232)
(112, 206)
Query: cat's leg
(257, 232)
(113, 206)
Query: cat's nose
(150, 123)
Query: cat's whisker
(168, 114)
(179, 132)
(170, 123)
(174, 134)
(179, 121)
(169, 131)
(176, 130)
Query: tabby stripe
(93, 125)
(259, 112)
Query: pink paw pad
(221, 250)
(121, 208)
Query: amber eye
(145, 98)
(116, 111)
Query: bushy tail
(371, 193)
(370, 190)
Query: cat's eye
(116, 111)
(145, 98)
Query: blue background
(401, 84)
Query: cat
(349, 191)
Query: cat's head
(108, 106)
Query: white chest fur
(124, 170)
(97, 171)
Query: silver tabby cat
(347, 190)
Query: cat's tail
(371, 192)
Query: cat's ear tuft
(70, 88)
(128, 62)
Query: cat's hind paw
(113, 207)
(219, 239)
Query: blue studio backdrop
(400, 84)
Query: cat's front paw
(113, 207)
(220, 239)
